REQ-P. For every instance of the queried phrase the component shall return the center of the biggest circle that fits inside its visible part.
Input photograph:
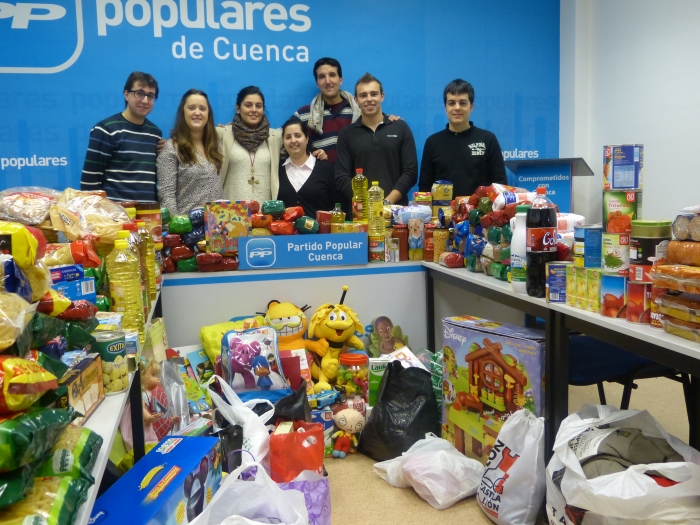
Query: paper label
(541, 239)
(587, 442)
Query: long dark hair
(183, 140)
(304, 130)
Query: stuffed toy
(334, 328)
(350, 422)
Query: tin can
(648, 245)
(620, 208)
(324, 221)
(613, 296)
(587, 245)
(150, 213)
(556, 282)
(429, 243)
(400, 233)
(615, 258)
(376, 248)
(638, 303)
(112, 349)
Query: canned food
(112, 349)
(615, 258)
(638, 303)
(556, 282)
(587, 245)
(376, 248)
(648, 245)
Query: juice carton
(571, 286)
(593, 276)
(491, 370)
(224, 223)
(613, 296)
(623, 166)
(580, 288)
(377, 366)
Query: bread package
(683, 252)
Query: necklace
(252, 181)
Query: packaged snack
(685, 329)
(79, 214)
(74, 454)
(23, 382)
(685, 307)
(80, 310)
(193, 237)
(171, 240)
(225, 264)
(53, 303)
(249, 358)
(180, 224)
(260, 232)
(179, 253)
(274, 208)
(683, 252)
(27, 204)
(53, 501)
(165, 215)
(208, 258)
(253, 206)
(12, 280)
(281, 227)
(77, 252)
(15, 313)
(27, 436)
(687, 227)
(306, 225)
(196, 216)
(187, 265)
(293, 213)
(451, 260)
(260, 220)
(676, 277)
(406, 213)
(485, 263)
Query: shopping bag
(292, 453)
(317, 493)
(294, 407)
(256, 438)
(404, 413)
(257, 500)
(513, 486)
(631, 495)
(436, 470)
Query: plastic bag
(258, 500)
(79, 214)
(404, 413)
(52, 500)
(513, 484)
(256, 439)
(15, 313)
(296, 451)
(628, 495)
(27, 204)
(12, 280)
(436, 470)
(18, 241)
(22, 383)
(317, 493)
(174, 388)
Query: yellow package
(23, 383)
(212, 335)
(16, 240)
(80, 213)
(260, 232)
(39, 277)
(15, 313)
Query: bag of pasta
(39, 278)
(81, 213)
(27, 204)
(73, 455)
(53, 501)
(12, 280)
(15, 313)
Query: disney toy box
(171, 485)
(491, 370)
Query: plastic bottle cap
(141, 223)
(131, 212)
(541, 191)
(522, 208)
(352, 358)
(375, 183)
(123, 234)
(337, 205)
(359, 170)
(121, 244)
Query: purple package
(317, 494)
(490, 371)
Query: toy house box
(170, 485)
(490, 371)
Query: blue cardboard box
(67, 272)
(171, 485)
(75, 290)
(490, 371)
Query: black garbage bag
(294, 407)
(405, 411)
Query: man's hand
(160, 146)
(394, 118)
(394, 196)
(320, 154)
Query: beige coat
(274, 143)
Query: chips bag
(23, 383)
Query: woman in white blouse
(189, 163)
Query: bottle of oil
(123, 271)
(359, 196)
(337, 215)
(137, 246)
(376, 227)
(151, 269)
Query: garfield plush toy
(334, 328)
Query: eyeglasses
(139, 94)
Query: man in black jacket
(467, 156)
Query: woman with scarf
(251, 151)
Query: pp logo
(57, 30)
(260, 253)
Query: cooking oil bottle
(337, 215)
(376, 227)
(359, 196)
(151, 270)
(124, 271)
(138, 248)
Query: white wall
(630, 73)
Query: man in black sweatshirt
(467, 156)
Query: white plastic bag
(253, 502)
(256, 438)
(513, 485)
(436, 470)
(630, 496)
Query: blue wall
(52, 90)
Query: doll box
(85, 389)
(171, 485)
(491, 370)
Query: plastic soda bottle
(541, 242)
(376, 227)
(359, 196)
(337, 215)
(151, 267)
(125, 286)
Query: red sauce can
(324, 221)
(429, 247)
(400, 232)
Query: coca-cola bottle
(541, 242)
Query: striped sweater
(121, 160)
(335, 118)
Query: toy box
(76, 290)
(491, 371)
(224, 223)
(623, 166)
(171, 485)
(85, 387)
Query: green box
(593, 277)
(377, 366)
(571, 285)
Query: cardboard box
(85, 387)
(76, 290)
(491, 370)
(377, 366)
(556, 281)
(67, 272)
(593, 277)
(623, 166)
(571, 286)
(224, 223)
(171, 485)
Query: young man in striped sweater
(121, 154)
